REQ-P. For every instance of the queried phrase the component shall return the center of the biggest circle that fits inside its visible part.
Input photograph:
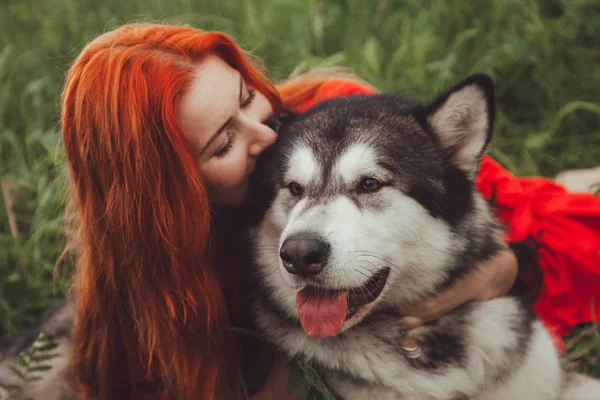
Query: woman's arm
(492, 279)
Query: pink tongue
(322, 315)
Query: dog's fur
(425, 223)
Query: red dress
(565, 228)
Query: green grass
(544, 56)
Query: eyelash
(251, 95)
(225, 149)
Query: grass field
(543, 54)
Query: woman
(162, 126)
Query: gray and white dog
(367, 203)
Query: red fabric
(567, 228)
(565, 225)
(331, 89)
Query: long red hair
(147, 294)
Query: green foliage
(543, 55)
(31, 227)
(32, 362)
(584, 349)
(306, 382)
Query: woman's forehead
(211, 99)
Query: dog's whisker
(274, 267)
(364, 268)
(362, 265)
(369, 293)
(381, 258)
(363, 288)
(272, 272)
(371, 264)
(366, 292)
(372, 253)
(362, 273)
(267, 247)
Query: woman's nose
(262, 138)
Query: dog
(368, 202)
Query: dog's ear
(462, 120)
(278, 121)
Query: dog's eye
(295, 188)
(370, 184)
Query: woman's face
(222, 118)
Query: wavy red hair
(147, 295)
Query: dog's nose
(304, 254)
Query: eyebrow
(222, 127)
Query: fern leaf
(17, 372)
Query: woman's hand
(485, 282)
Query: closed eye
(222, 152)
(249, 99)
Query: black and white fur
(426, 223)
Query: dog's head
(369, 201)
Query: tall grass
(543, 54)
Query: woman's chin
(236, 197)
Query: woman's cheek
(238, 168)
(212, 177)
(226, 175)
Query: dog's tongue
(322, 315)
